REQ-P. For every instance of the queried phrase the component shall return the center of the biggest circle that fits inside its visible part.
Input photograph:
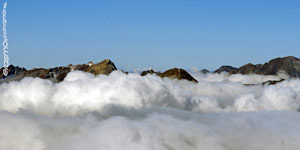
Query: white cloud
(122, 111)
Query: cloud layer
(122, 111)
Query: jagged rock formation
(57, 74)
(104, 67)
(149, 72)
(290, 65)
(225, 69)
(178, 74)
(174, 73)
(12, 71)
(247, 69)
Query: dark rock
(12, 71)
(204, 71)
(272, 82)
(290, 65)
(80, 67)
(125, 72)
(225, 69)
(174, 73)
(38, 72)
(149, 72)
(247, 69)
(57, 74)
(177, 74)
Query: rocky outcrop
(104, 67)
(204, 71)
(272, 82)
(247, 69)
(57, 74)
(151, 71)
(225, 69)
(12, 71)
(54, 74)
(289, 65)
(174, 73)
(178, 74)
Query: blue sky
(158, 33)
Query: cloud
(122, 111)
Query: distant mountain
(204, 71)
(175, 73)
(290, 65)
(225, 69)
(105, 67)
(57, 74)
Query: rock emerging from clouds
(174, 73)
(225, 69)
(58, 74)
(12, 71)
(289, 65)
(104, 67)
(204, 71)
(151, 71)
(177, 73)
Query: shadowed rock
(272, 82)
(57, 74)
(204, 71)
(12, 71)
(149, 72)
(174, 73)
(225, 69)
(290, 65)
(247, 69)
(178, 74)
(269, 82)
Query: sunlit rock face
(104, 67)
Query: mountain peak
(289, 64)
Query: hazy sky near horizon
(161, 34)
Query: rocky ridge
(289, 65)
(175, 73)
(57, 74)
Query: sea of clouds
(131, 112)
